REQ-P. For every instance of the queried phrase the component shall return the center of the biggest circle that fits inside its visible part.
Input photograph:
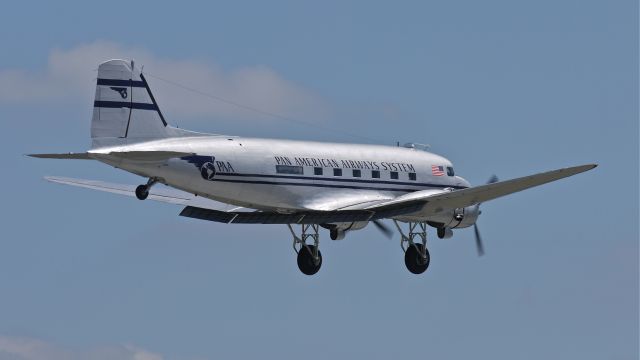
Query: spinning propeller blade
(383, 228)
(479, 246)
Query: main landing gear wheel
(142, 192)
(414, 245)
(307, 263)
(306, 246)
(414, 260)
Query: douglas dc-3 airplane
(304, 185)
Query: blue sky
(503, 87)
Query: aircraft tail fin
(125, 110)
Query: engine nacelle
(337, 231)
(445, 233)
(458, 218)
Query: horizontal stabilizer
(144, 155)
(77, 156)
(125, 155)
(166, 195)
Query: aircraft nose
(463, 182)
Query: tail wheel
(415, 261)
(142, 192)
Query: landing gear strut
(309, 255)
(142, 191)
(416, 255)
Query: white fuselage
(291, 175)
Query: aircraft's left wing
(167, 195)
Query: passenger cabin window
(337, 172)
(394, 175)
(450, 171)
(317, 171)
(412, 176)
(289, 169)
(356, 173)
(375, 174)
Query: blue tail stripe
(124, 104)
(119, 82)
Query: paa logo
(122, 91)
(206, 165)
(208, 170)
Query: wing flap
(301, 217)
(260, 217)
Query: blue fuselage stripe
(421, 186)
(338, 179)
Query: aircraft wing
(167, 195)
(433, 203)
(417, 204)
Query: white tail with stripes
(124, 109)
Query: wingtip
(583, 168)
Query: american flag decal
(437, 170)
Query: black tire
(414, 261)
(142, 192)
(306, 263)
(441, 232)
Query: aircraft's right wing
(433, 203)
(157, 193)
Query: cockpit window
(450, 171)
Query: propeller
(479, 246)
(383, 228)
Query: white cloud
(69, 78)
(17, 348)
